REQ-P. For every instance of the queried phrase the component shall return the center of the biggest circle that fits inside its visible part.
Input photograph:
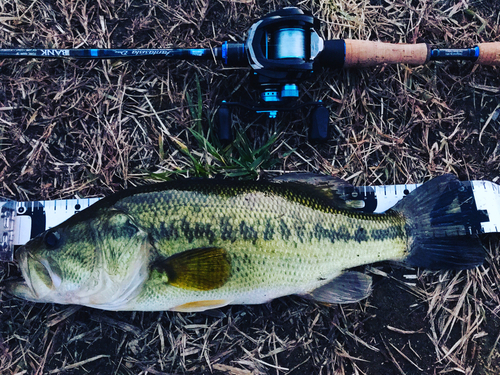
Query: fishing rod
(282, 49)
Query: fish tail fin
(437, 228)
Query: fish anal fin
(197, 306)
(349, 287)
(199, 269)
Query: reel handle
(489, 54)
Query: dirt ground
(83, 128)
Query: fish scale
(302, 254)
(191, 245)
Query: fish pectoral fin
(199, 269)
(349, 287)
(333, 189)
(198, 306)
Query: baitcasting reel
(281, 49)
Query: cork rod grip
(489, 54)
(363, 53)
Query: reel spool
(282, 46)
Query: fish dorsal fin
(332, 189)
(349, 287)
(196, 269)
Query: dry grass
(85, 128)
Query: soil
(82, 128)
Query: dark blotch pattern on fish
(186, 230)
(301, 233)
(386, 233)
(321, 233)
(296, 232)
(204, 230)
(285, 231)
(226, 230)
(268, 231)
(343, 234)
(190, 231)
(169, 232)
(361, 235)
(248, 232)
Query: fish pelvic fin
(199, 269)
(349, 287)
(435, 225)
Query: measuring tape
(21, 221)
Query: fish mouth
(41, 276)
(22, 287)
(21, 258)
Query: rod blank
(94, 53)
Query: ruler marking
(485, 193)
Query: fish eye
(52, 239)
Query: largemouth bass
(192, 245)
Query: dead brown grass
(85, 128)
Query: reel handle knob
(224, 118)
(319, 127)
